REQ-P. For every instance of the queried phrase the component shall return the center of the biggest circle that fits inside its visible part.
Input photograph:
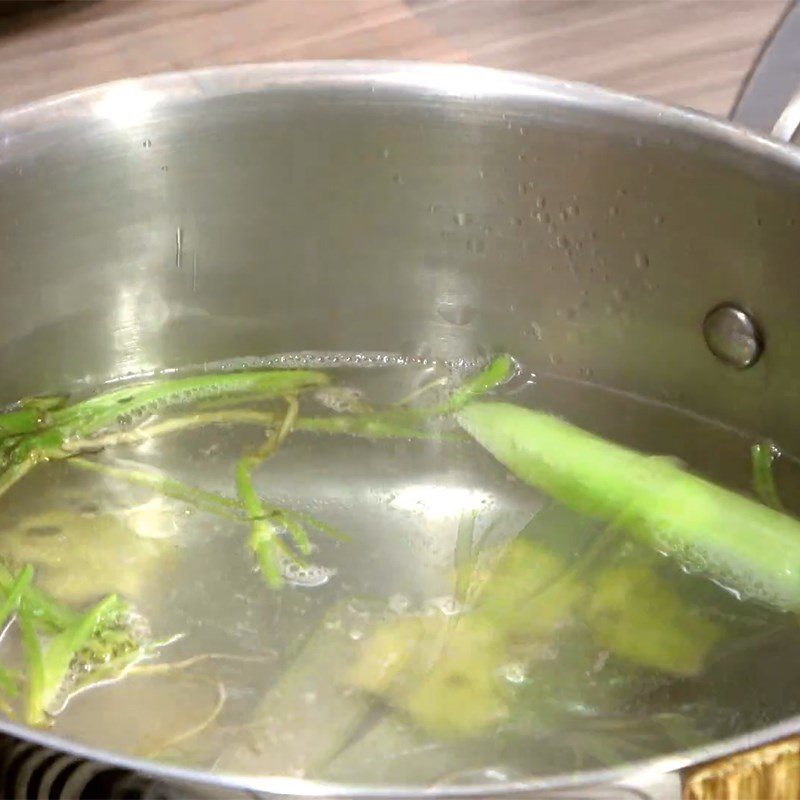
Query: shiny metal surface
(768, 100)
(733, 336)
(788, 124)
(443, 210)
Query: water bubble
(514, 672)
(308, 575)
(641, 260)
(613, 211)
(448, 606)
(147, 144)
(340, 399)
(461, 219)
(399, 604)
(534, 329)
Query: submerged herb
(743, 544)
(447, 674)
(763, 455)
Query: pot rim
(421, 80)
(130, 102)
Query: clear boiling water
(278, 656)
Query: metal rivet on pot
(732, 335)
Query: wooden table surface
(689, 52)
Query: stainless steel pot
(405, 207)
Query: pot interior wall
(141, 231)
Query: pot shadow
(17, 16)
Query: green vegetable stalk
(753, 549)
(42, 609)
(130, 403)
(62, 427)
(60, 642)
(763, 455)
(99, 638)
(266, 523)
(57, 657)
(10, 605)
(63, 648)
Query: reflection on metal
(772, 85)
(733, 336)
(789, 121)
(126, 104)
(772, 771)
(178, 247)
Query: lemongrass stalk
(52, 665)
(23, 420)
(753, 549)
(169, 487)
(463, 555)
(42, 608)
(8, 679)
(173, 425)
(129, 402)
(263, 532)
(18, 589)
(35, 695)
(227, 507)
(495, 374)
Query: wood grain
(689, 52)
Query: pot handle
(769, 100)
